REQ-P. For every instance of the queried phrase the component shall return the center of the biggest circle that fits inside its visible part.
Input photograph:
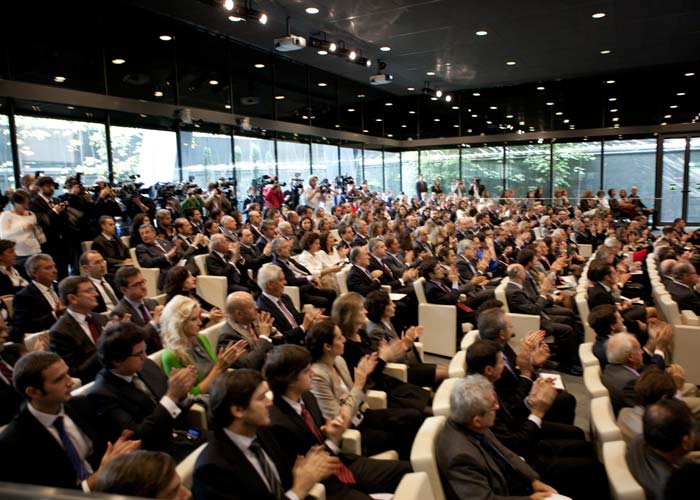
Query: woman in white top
(330, 254)
(312, 259)
(20, 225)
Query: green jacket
(170, 361)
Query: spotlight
(228, 4)
(352, 55)
(332, 47)
(438, 94)
(448, 98)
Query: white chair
(185, 469)
(603, 424)
(295, 295)
(397, 370)
(342, 278)
(125, 240)
(439, 324)
(212, 333)
(86, 245)
(376, 400)
(160, 298)
(414, 486)
(150, 274)
(585, 354)
(458, 365)
(585, 250)
(469, 339)
(31, 338)
(623, 485)
(157, 358)
(583, 310)
(522, 323)
(423, 457)
(213, 289)
(441, 400)
(592, 382)
(81, 390)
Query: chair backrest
(500, 294)
(585, 250)
(125, 240)
(414, 486)
(160, 298)
(132, 254)
(295, 295)
(9, 305)
(419, 288)
(185, 469)
(200, 260)
(669, 307)
(458, 366)
(586, 356)
(157, 358)
(212, 333)
(603, 423)
(593, 383)
(81, 390)
(441, 400)
(423, 457)
(582, 306)
(342, 278)
(623, 486)
(469, 339)
(86, 245)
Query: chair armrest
(689, 318)
(376, 400)
(397, 370)
(318, 492)
(420, 351)
(197, 417)
(585, 354)
(213, 289)
(351, 442)
(386, 455)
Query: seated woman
(184, 346)
(338, 395)
(11, 281)
(349, 314)
(313, 259)
(380, 309)
(135, 238)
(180, 281)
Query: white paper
(556, 378)
(397, 296)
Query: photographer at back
(216, 199)
(273, 197)
(313, 194)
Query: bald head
(241, 308)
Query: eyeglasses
(92, 289)
(140, 354)
(138, 283)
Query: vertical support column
(13, 144)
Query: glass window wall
(293, 160)
(693, 216)
(205, 157)
(7, 175)
(672, 178)
(409, 173)
(632, 163)
(527, 168)
(440, 164)
(324, 158)
(486, 163)
(149, 154)
(392, 173)
(577, 168)
(373, 170)
(351, 163)
(254, 158)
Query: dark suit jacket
(686, 298)
(649, 468)
(216, 266)
(51, 223)
(292, 335)
(223, 472)
(289, 276)
(254, 258)
(359, 241)
(520, 302)
(11, 399)
(121, 405)
(32, 312)
(469, 471)
(396, 264)
(153, 256)
(255, 354)
(598, 295)
(388, 278)
(68, 340)
(153, 342)
(620, 381)
(34, 456)
(435, 294)
(114, 252)
(359, 282)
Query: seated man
(110, 246)
(74, 336)
(94, 266)
(243, 322)
(437, 292)
(274, 301)
(37, 306)
(557, 451)
(519, 301)
(191, 245)
(225, 260)
(472, 461)
(299, 426)
(667, 439)
(359, 278)
(243, 460)
(132, 392)
(52, 441)
(651, 386)
(682, 287)
(159, 253)
(142, 311)
(253, 256)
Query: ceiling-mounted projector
(290, 43)
(380, 79)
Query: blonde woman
(184, 346)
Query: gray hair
(514, 270)
(35, 261)
(374, 243)
(214, 240)
(491, 322)
(667, 265)
(681, 268)
(354, 254)
(283, 225)
(612, 242)
(619, 347)
(463, 245)
(468, 400)
(276, 244)
(225, 219)
(268, 272)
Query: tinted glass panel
(373, 170)
(205, 157)
(392, 173)
(577, 167)
(694, 181)
(254, 158)
(527, 168)
(632, 163)
(293, 160)
(324, 159)
(485, 163)
(440, 164)
(409, 172)
(7, 176)
(672, 179)
(150, 154)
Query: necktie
(141, 386)
(94, 331)
(70, 450)
(54, 297)
(270, 475)
(144, 313)
(495, 453)
(108, 291)
(287, 313)
(253, 335)
(344, 474)
(6, 371)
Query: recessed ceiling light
(482, 33)
(70, 107)
(489, 122)
(360, 96)
(509, 116)
(390, 135)
(566, 121)
(311, 10)
(609, 81)
(511, 63)
(385, 49)
(260, 65)
(572, 127)
(228, 4)
(337, 125)
(322, 52)
(673, 106)
(436, 119)
(559, 113)
(690, 74)
(493, 107)
(322, 84)
(550, 103)
(612, 99)
(605, 52)
(227, 106)
(352, 55)
(430, 73)
(616, 118)
(455, 126)
(455, 107)
(617, 125)
(165, 38)
(59, 79)
(667, 116)
(438, 93)
(613, 110)
(351, 110)
(118, 61)
(158, 93)
(540, 88)
(476, 94)
(280, 97)
(598, 15)
(475, 116)
(235, 19)
(433, 98)
(411, 89)
(411, 112)
(680, 94)
(213, 82)
(304, 117)
(142, 115)
(664, 124)
(388, 104)
(404, 126)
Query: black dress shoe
(574, 370)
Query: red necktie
(144, 313)
(344, 474)
(94, 332)
(6, 371)
(287, 313)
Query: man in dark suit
(153, 252)
(76, 333)
(51, 216)
(37, 306)
(132, 392)
(359, 278)
(421, 186)
(224, 260)
(298, 425)
(519, 301)
(394, 258)
(94, 266)
(346, 236)
(142, 311)
(297, 275)
(253, 256)
(254, 221)
(421, 246)
(682, 287)
(398, 283)
(268, 232)
(243, 460)
(191, 245)
(243, 322)
(273, 300)
(436, 292)
(110, 246)
(361, 229)
(52, 440)
(472, 461)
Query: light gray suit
(330, 395)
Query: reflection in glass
(293, 160)
(527, 168)
(409, 172)
(373, 170)
(324, 158)
(351, 163)
(254, 158)
(672, 178)
(485, 163)
(150, 154)
(205, 157)
(7, 176)
(693, 215)
(392, 173)
(577, 168)
(442, 164)
(62, 148)
(632, 163)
